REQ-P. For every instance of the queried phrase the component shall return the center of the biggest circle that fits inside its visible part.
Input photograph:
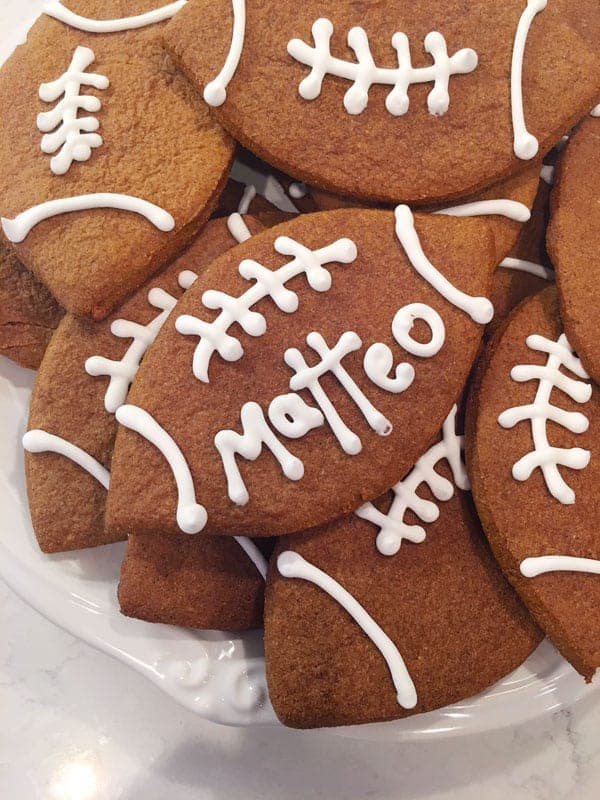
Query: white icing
(122, 373)
(292, 417)
(378, 363)
(17, 229)
(525, 145)
(73, 136)
(38, 441)
(254, 554)
(306, 377)
(403, 322)
(595, 112)
(547, 174)
(478, 308)
(298, 190)
(293, 565)
(260, 183)
(543, 456)
(364, 73)
(392, 527)
(238, 228)
(187, 278)
(215, 92)
(532, 567)
(528, 266)
(511, 209)
(255, 434)
(268, 283)
(55, 8)
(191, 517)
(379, 359)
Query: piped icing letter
(72, 136)
(538, 413)
(293, 565)
(306, 377)
(249, 444)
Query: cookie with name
(83, 379)
(29, 314)
(109, 161)
(574, 240)
(414, 103)
(532, 443)
(396, 610)
(302, 374)
(200, 582)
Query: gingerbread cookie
(360, 629)
(533, 441)
(423, 104)
(84, 377)
(28, 312)
(574, 241)
(123, 164)
(194, 581)
(327, 351)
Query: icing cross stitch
(392, 527)
(72, 136)
(122, 373)
(268, 283)
(547, 458)
(364, 73)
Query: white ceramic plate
(218, 677)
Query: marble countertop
(77, 725)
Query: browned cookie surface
(191, 581)
(574, 240)
(550, 513)
(28, 312)
(158, 144)
(424, 155)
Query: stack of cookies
(312, 292)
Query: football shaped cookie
(361, 626)
(83, 379)
(533, 443)
(109, 163)
(574, 241)
(302, 374)
(393, 101)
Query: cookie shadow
(279, 763)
